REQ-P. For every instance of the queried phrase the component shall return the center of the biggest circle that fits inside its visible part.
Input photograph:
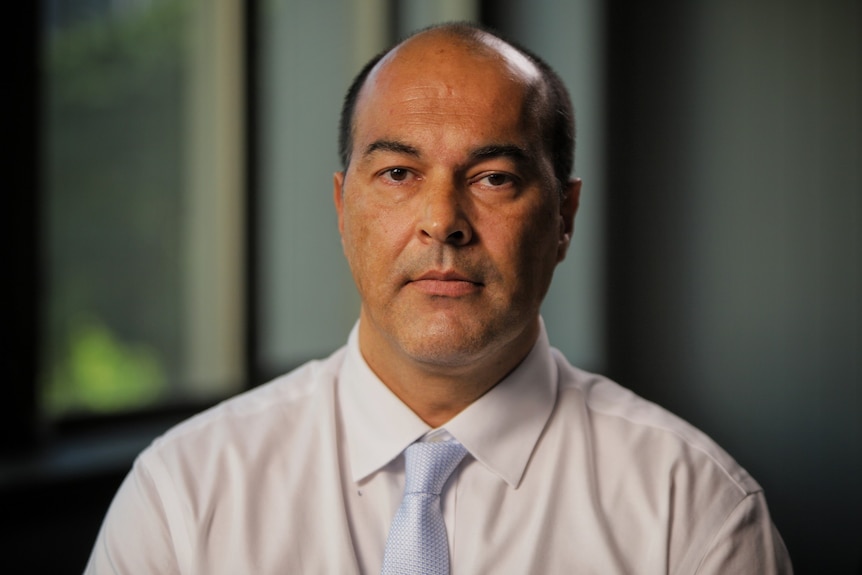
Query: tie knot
(429, 465)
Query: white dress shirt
(567, 472)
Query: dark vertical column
(251, 63)
(19, 226)
(647, 199)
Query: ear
(568, 208)
(338, 198)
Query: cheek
(526, 239)
(538, 256)
(369, 246)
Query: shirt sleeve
(747, 542)
(135, 536)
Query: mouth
(445, 284)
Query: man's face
(449, 213)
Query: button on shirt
(566, 472)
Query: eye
(396, 174)
(496, 180)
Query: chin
(443, 356)
(452, 344)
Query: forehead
(439, 79)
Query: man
(454, 206)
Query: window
(142, 212)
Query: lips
(445, 284)
(443, 276)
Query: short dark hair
(558, 117)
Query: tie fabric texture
(417, 543)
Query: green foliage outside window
(102, 374)
(113, 108)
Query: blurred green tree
(114, 176)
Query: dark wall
(48, 527)
(735, 252)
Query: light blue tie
(417, 543)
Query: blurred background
(169, 240)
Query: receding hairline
(474, 40)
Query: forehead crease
(412, 106)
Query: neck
(438, 392)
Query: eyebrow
(512, 151)
(391, 146)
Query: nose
(442, 217)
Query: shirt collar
(377, 425)
(500, 429)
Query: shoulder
(659, 479)
(653, 438)
(264, 416)
(193, 494)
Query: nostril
(458, 237)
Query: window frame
(31, 448)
